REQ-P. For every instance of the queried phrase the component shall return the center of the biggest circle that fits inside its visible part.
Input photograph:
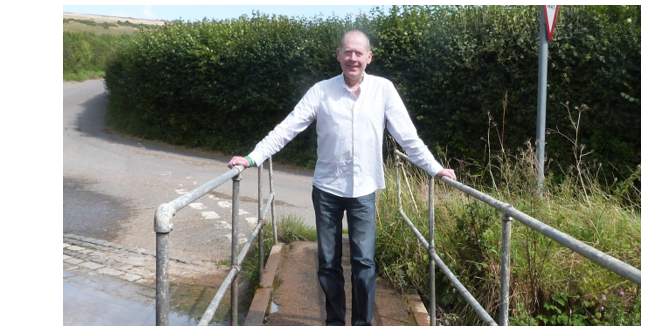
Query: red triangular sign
(551, 18)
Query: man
(351, 111)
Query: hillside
(100, 24)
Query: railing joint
(504, 209)
(163, 218)
(431, 250)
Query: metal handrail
(508, 212)
(163, 226)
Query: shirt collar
(362, 84)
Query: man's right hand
(237, 160)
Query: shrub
(549, 284)
(85, 51)
(223, 85)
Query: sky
(218, 12)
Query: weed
(550, 285)
(82, 75)
(289, 228)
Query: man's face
(354, 57)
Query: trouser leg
(328, 214)
(361, 218)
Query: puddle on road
(108, 301)
(272, 308)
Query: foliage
(549, 284)
(223, 85)
(479, 60)
(102, 27)
(87, 52)
(82, 75)
(289, 229)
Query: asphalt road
(112, 185)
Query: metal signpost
(548, 20)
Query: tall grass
(85, 54)
(82, 75)
(550, 284)
(289, 229)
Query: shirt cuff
(257, 158)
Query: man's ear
(371, 54)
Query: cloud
(147, 13)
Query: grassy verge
(289, 229)
(82, 75)
(550, 285)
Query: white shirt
(350, 134)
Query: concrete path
(290, 294)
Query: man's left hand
(446, 172)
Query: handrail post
(431, 223)
(398, 182)
(271, 191)
(235, 212)
(261, 245)
(505, 267)
(162, 227)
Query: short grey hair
(341, 45)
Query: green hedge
(455, 65)
(223, 85)
(86, 51)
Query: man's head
(354, 54)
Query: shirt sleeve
(298, 120)
(400, 126)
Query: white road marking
(223, 224)
(181, 191)
(240, 240)
(197, 206)
(210, 215)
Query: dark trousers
(361, 219)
